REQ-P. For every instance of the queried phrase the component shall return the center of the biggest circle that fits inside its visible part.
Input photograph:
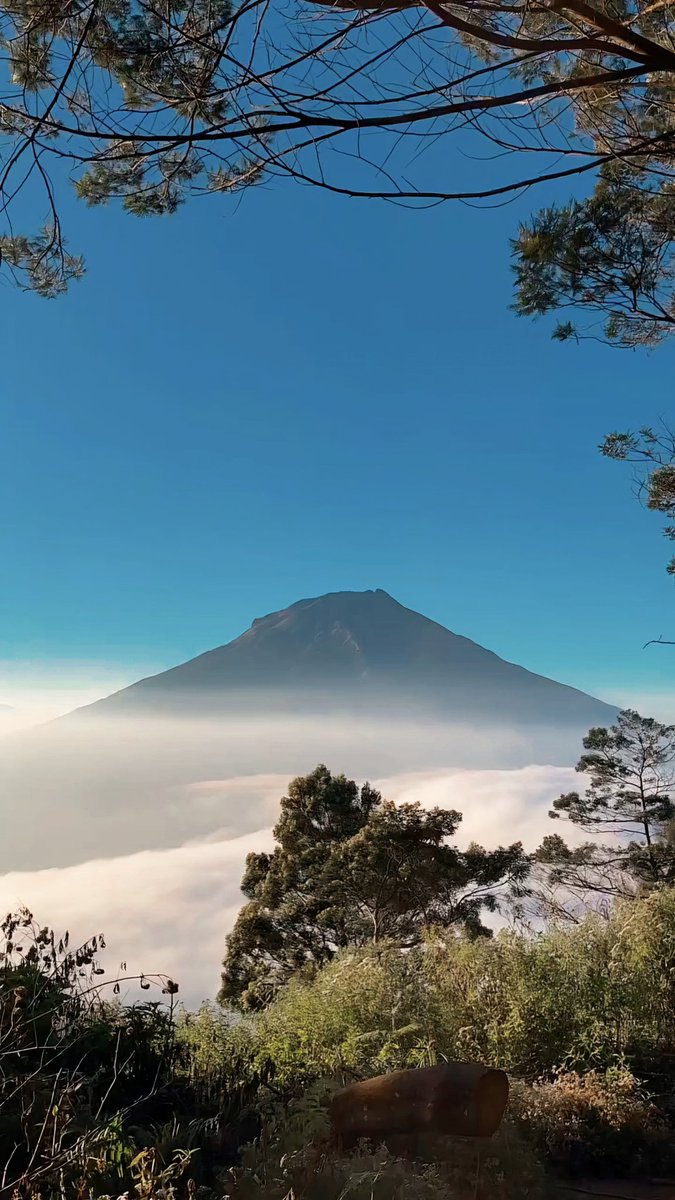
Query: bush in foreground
(97, 1097)
(294, 1157)
(586, 997)
(597, 1123)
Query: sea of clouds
(168, 910)
(140, 829)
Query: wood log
(452, 1099)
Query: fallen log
(452, 1099)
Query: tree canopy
(631, 767)
(610, 254)
(350, 869)
(151, 102)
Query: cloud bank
(80, 789)
(32, 692)
(169, 910)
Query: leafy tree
(153, 103)
(351, 869)
(629, 799)
(399, 875)
(280, 929)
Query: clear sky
(247, 404)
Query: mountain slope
(356, 649)
(352, 679)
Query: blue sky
(247, 404)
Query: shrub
(362, 1015)
(226, 1073)
(70, 1060)
(98, 1096)
(293, 1158)
(580, 998)
(593, 1124)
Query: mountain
(350, 650)
(352, 679)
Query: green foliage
(632, 773)
(350, 869)
(96, 1096)
(73, 1064)
(360, 1015)
(611, 254)
(41, 262)
(224, 1074)
(584, 997)
(211, 1039)
(144, 1101)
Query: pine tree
(629, 800)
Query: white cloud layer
(78, 790)
(169, 910)
(32, 692)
